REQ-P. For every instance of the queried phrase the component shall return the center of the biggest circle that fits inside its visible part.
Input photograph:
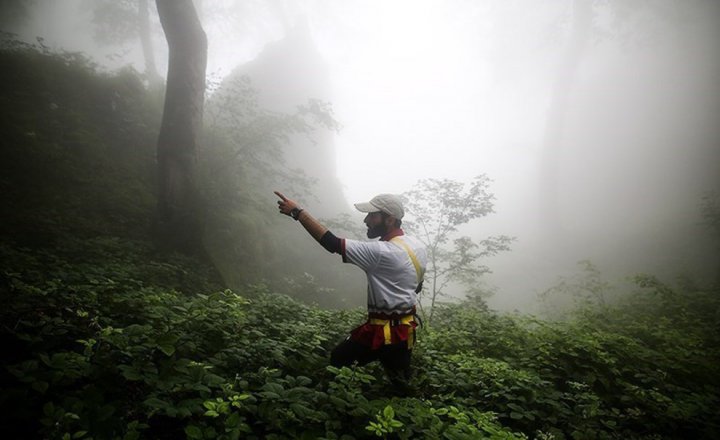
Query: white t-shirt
(392, 278)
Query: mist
(182, 181)
(599, 131)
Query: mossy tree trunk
(178, 224)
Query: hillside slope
(105, 338)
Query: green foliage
(105, 340)
(610, 368)
(77, 149)
(246, 143)
(586, 290)
(78, 157)
(105, 345)
(243, 161)
(384, 423)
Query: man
(394, 266)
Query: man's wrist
(295, 213)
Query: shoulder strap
(413, 257)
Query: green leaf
(105, 412)
(45, 359)
(166, 343)
(210, 432)
(154, 402)
(515, 407)
(274, 387)
(129, 372)
(233, 421)
(193, 432)
(213, 379)
(168, 349)
(49, 409)
(302, 411)
(516, 415)
(338, 402)
(40, 386)
(389, 412)
(304, 380)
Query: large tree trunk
(553, 142)
(178, 225)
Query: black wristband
(295, 213)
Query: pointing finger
(279, 194)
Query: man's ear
(389, 220)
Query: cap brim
(366, 207)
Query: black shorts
(394, 357)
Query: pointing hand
(285, 205)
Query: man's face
(375, 224)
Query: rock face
(287, 74)
(255, 244)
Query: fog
(601, 137)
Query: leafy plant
(438, 207)
(384, 423)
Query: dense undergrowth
(105, 338)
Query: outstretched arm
(314, 227)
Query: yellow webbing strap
(405, 320)
(413, 257)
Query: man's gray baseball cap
(388, 203)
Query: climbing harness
(413, 257)
(389, 323)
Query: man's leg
(349, 351)
(396, 360)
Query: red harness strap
(381, 329)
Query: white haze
(458, 88)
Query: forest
(151, 290)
